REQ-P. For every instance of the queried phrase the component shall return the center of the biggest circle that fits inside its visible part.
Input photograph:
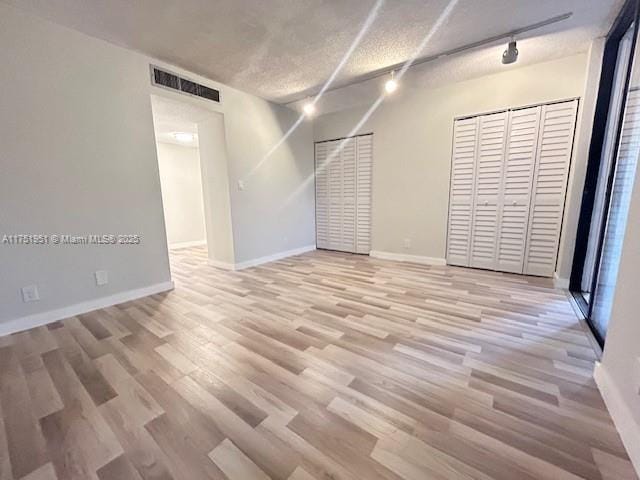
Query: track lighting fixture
(391, 85)
(510, 55)
(309, 109)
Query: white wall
(276, 210)
(78, 155)
(215, 176)
(412, 145)
(182, 200)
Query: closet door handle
(515, 203)
(486, 202)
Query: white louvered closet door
(343, 194)
(488, 185)
(364, 187)
(465, 133)
(348, 155)
(519, 164)
(334, 178)
(322, 196)
(555, 143)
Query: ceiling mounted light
(510, 55)
(391, 85)
(309, 109)
(184, 137)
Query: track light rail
(421, 60)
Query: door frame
(628, 15)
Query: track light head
(510, 55)
(391, 85)
(309, 109)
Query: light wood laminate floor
(321, 366)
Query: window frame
(628, 15)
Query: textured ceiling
(285, 49)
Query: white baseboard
(195, 243)
(259, 261)
(39, 319)
(405, 257)
(222, 265)
(561, 283)
(621, 413)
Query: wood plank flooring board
(78, 438)
(45, 399)
(25, 443)
(139, 447)
(321, 366)
(182, 451)
(391, 413)
(5, 459)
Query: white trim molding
(260, 260)
(620, 413)
(221, 264)
(195, 243)
(561, 283)
(44, 318)
(405, 257)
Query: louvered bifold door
(364, 174)
(519, 164)
(322, 196)
(555, 143)
(465, 133)
(343, 194)
(489, 162)
(334, 180)
(349, 165)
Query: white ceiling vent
(164, 79)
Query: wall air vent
(164, 79)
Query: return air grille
(209, 93)
(188, 86)
(166, 79)
(174, 82)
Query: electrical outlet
(30, 293)
(407, 243)
(102, 277)
(241, 185)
